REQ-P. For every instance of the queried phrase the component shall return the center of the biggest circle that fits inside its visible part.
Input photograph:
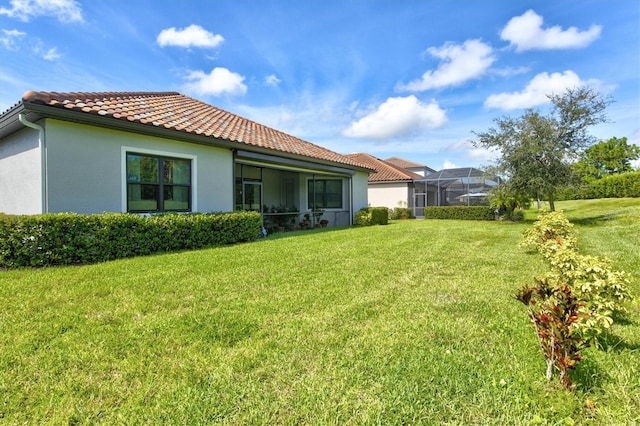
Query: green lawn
(414, 322)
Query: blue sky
(403, 78)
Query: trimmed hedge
(369, 216)
(614, 186)
(624, 185)
(69, 238)
(460, 212)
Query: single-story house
(412, 166)
(397, 182)
(163, 152)
(390, 185)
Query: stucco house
(412, 166)
(390, 185)
(163, 152)
(398, 182)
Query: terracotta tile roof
(384, 170)
(402, 163)
(174, 111)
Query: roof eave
(36, 111)
(10, 122)
(393, 181)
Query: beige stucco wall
(388, 194)
(86, 171)
(20, 171)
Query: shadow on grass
(588, 374)
(612, 343)
(596, 220)
(299, 232)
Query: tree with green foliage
(607, 158)
(537, 151)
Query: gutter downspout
(42, 142)
(351, 208)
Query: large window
(324, 194)
(158, 184)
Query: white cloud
(193, 35)
(449, 165)
(64, 10)
(272, 80)
(9, 38)
(459, 63)
(52, 54)
(218, 82)
(526, 33)
(510, 71)
(537, 90)
(468, 150)
(395, 117)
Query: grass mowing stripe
(414, 322)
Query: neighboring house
(389, 186)
(464, 186)
(399, 182)
(163, 152)
(418, 168)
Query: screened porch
(466, 186)
(290, 197)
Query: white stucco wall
(20, 171)
(360, 194)
(388, 194)
(86, 172)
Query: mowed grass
(410, 323)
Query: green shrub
(623, 185)
(400, 213)
(460, 212)
(551, 229)
(614, 186)
(369, 216)
(69, 238)
(554, 311)
(599, 289)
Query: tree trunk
(552, 205)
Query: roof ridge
(46, 97)
(385, 170)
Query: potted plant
(306, 222)
(284, 217)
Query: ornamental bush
(601, 290)
(574, 302)
(554, 311)
(460, 212)
(69, 238)
(400, 213)
(552, 229)
(369, 216)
